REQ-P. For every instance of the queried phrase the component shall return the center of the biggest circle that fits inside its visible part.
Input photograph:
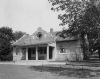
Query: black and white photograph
(49, 39)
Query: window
(23, 50)
(45, 51)
(62, 50)
(33, 51)
(42, 50)
(17, 51)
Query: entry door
(33, 54)
(29, 54)
(51, 52)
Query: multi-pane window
(23, 50)
(33, 51)
(42, 50)
(23, 54)
(17, 51)
(62, 50)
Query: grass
(45, 72)
(89, 63)
(69, 72)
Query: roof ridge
(20, 38)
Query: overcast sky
(28, 15)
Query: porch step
(39, 63)
(94, 56)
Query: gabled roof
(44, 39)
(58, 38)
(21, 41)
(66, 39)
(34, 39)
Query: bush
(7, 57)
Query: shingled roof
(21, 41)
(45, 38)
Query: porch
(35, 53)
(40, 53)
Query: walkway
(35, 63)
(77, 65)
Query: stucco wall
(73, 51)
(19, 55)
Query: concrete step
(94, 56)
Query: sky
(28, 15)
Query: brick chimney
(51, 30)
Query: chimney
(51, 30)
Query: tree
(72, 9)
(6, 37)
(18, 34)
(83, 19)
(87, 24)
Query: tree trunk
(99, 53)
(85, 48)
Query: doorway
(51, 52)
(42, 53)
(32, 53)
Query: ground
(45, 72)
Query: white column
(14, 53)
(55, 52)
(36, 53)
(47, 52)
(19, 56)
(26, 53)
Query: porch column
(14, 54)
(26, 53)
(47, 52)
(36, 53)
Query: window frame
(17, 51)
(62, 50)
(23, 50)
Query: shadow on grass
(69, 72)
(89, 63)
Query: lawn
(68, 72)
(45, 72)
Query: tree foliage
(18, 34)
(82, 17)
(6, 37)
(72, 9)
